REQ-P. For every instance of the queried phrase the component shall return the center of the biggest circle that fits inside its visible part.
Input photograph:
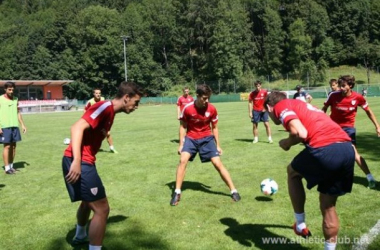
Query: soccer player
(257, 112)
(79, 170)
(334, 86)
(344, 106)
(326, 162)
(10, 118)
(183, 100)
(97, 93)
(197, 136)
(302, 95)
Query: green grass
(36, 212)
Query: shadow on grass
(174, 141)
(197, 186)
(134, 238)
(364, 182)
(263, 198)
(20, 164)
(368, 143)
(1, 186)
(244, 140)
(250, 235)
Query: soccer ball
(269, 186)
(66, 141)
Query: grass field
(36, 212)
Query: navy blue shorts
(205, 146)
(10, 135)
(351, 132)
(259, 116)
(330, 167)
(89, 187)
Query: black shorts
(259, 116)
(205, 146)
(89, 186)
(10, 135)
(351, 132)
(330, 167)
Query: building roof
(37, 82)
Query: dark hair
(96, 89)
(9, 85)
(350, 80)
(274, 97)
(333, 80)
(128, 88)
(203, 89)
(257, 82)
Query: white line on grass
(366, 239)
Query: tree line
(172, 43)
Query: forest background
(173, 43)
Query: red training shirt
(182, 101)
(258, 98)
(100, 116)
(344, 108)
(322, 131)
(198, 120)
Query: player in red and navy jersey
(199, 134)
(183, 100)
(257, 112)
(79, 170)
(344, 106)
(97, 93)
(326, 162)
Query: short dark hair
(204, 89)
(257, 82)
(9, 85)
(350, 80)
(332, 80)
(96, 89)
(274, 97)
(128, 88)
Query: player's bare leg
(180, 176)
(98, 223)
(255, 132)
(364, 167)
(296, 190)
(269, 132)
(110, 143)
(298, 198)
(8, 154)
(330, 224)
(226, 177)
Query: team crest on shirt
(353, 102)
(207, 114)
(94, 191)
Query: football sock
(177, 191)
(7, 167)
(269, 138)
(80, 232)
(256, 138)
(330, 245)
(370, 177)
(233, 191)
(91, 247)
(300, 218)
(111, 147)
(11, 165)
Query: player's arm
(297, 134)
(178, 112)
(76, 141)
(215, 132)
(250, 106)
(372, 117)
(182, 134)
(21, 121)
